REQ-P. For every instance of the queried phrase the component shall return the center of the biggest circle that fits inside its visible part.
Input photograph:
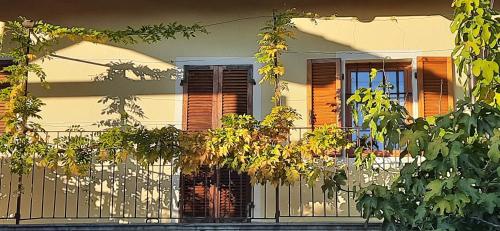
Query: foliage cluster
(261, 149)
(264, 151)
(21, 141)
(477, 53)
(453, 179)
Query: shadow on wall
(124, 103)
(120, 86)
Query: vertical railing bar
(171, 189)
(90, 179)
(192, 198)
(136, 182)
(77, 196)
(301, 206)
(55, 194)
(300, 185)
(78, 190)
(100, 193)
(32, 184)
(205, 189)
(55, 183)
(89, 198)
(10, 193)
(289, 200)
(265, 200)
(225, 198)
(217, 194)
(160, 178)
(66, 196)
(124, 177)
(336, 202)
(252, 205)
(43, 193)
(66, 188)
(312, 198)
(242, 206)
(324, 200)
(111, 213)
(147, 192)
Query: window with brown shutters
(213, 91)
(435, 85)
(215, 195)
(324, 91)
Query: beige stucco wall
(73, 87)
(417, 29)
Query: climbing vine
(264, 151)
(273, 43)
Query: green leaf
(443, 206)
(455, 151)
(466, 186)
(494, 152)
(477, 66)
(414, 140)
(435, 187)
(436, 147)
(490, 201)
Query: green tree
(453, 180)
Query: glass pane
(401, 81)
(392, 80)
(378, 79)
(353, 82)
(363, 79)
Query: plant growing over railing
(21, 140)
(452, 181)
(73, 153)
(264, 151)
(36, 38)
(273, 43)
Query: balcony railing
(130, 192)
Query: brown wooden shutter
(200, 91)
(236, 90)
(235, 189)
(3, 76)
(435, 85)
(324, 96)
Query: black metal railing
(130, 192)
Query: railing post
(17, 216)
(277, 214)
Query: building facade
(191, 83)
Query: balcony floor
(195, 227)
